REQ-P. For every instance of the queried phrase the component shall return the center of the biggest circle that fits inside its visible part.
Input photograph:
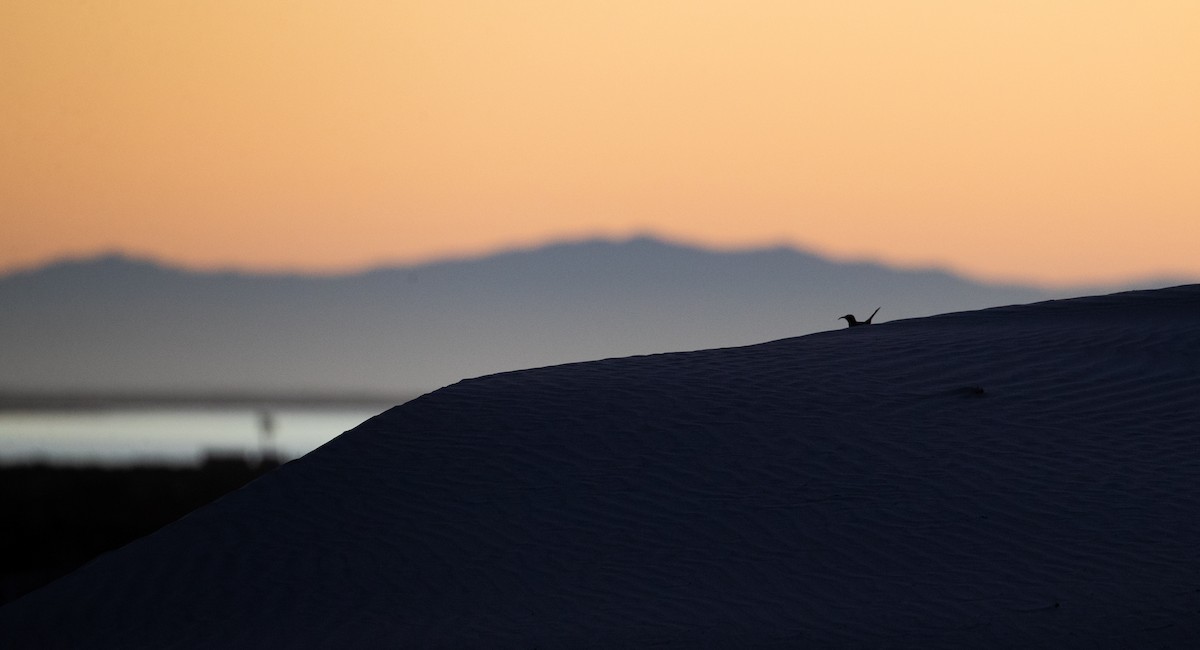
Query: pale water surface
(176, 435)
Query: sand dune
(1023, 476)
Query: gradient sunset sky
(1054, 141)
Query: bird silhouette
(854, 322)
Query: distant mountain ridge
(117, 324)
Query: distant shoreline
(34, 401)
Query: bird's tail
(872, 315)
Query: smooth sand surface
(1016, 477)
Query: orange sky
(1046, 140)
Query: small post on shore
(266, 434)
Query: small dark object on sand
(854, 322)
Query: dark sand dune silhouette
(818, 491)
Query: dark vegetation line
(49, 401)
(58, 518)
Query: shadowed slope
(1015, 477)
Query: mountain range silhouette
(117, 324)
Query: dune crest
(1024, 476)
